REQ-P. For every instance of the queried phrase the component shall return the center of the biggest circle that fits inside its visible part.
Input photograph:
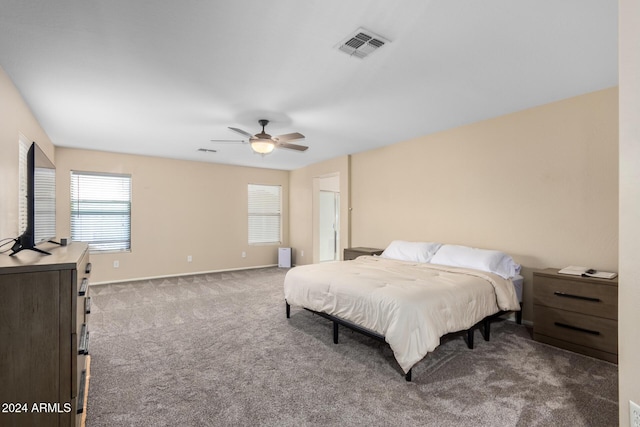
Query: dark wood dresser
(44, 336)
(353, 253)
(576, 313)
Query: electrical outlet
(634, 414)
(244, 254)
(301, 253)
(189, 258)
(116, 264)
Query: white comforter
(411, 304)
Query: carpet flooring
(217, 350)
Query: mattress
(411, 304)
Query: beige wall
(540, 184)
(304, 187)
(15, 119)
(179, 208)
(629, 288)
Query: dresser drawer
(579, 296)
(84, 266)
(581, 329)
(83, 308)
(81, 378)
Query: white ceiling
(163, 78)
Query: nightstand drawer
(581, 329)
(578, 296)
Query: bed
(410, 298)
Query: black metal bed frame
(484, 325)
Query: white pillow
(480, 259)
(411, 251)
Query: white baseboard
(183, 274)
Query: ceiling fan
(263, 143)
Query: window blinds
(265, 206)
(101, 210)
(45, 204)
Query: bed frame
(484, 325)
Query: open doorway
(327, 214)
(329, 222)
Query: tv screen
(41, 201)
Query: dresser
(353, 253)
(44, 336)
(576, 313)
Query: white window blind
(101, 210)
(265, 206)
(44, 204)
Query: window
(265, 206)
(101, 210)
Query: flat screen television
(41, 202)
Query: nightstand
(576, 313)
(353, 253)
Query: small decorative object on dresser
(44, 336)
(353, 253)
(576, 313)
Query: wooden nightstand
(353, 253)
(576, 313)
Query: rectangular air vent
(362, 43)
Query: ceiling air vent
(362, 43)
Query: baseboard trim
(166, 276)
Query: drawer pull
(83, 287)
(87, 269)
(562, 294)
(575, 328)
(87, 305)
(83, 348)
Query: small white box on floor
(284, 257)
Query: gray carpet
(217, 350)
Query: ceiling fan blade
(289, 137)
(227, 141)
(291, 146)
(241, 132)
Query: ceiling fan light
(262, 146)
